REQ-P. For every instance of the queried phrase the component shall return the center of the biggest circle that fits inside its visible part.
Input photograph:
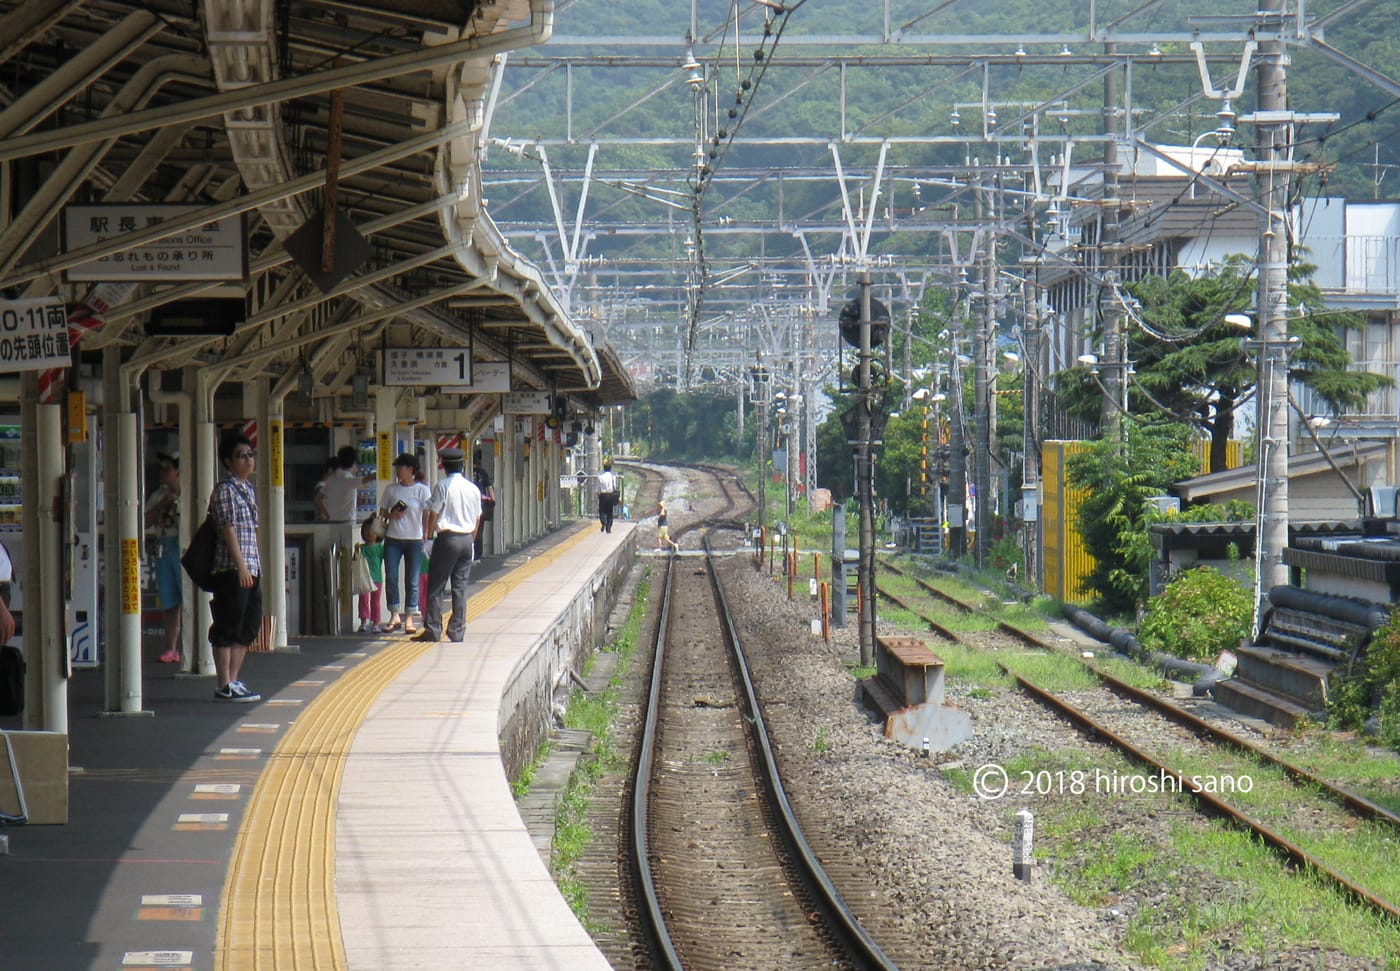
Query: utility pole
(1274, 124)
(982, 407)
(1113, 418)
(957, 457)
(1030, 434)
(865, 471)
(760, 388)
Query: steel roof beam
(272, 92)
(178, 224)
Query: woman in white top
(404, 504)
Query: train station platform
(359, 817)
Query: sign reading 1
(416, 366)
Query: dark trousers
(607, 502)
(236, 611)
(451, 560)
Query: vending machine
(83, 565)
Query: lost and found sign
(33, 335)
(214, 250)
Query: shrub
(1199, 614)
(1373, 685)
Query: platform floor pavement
(136, 879)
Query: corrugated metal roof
(1354, 455)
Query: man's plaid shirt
(235, 504)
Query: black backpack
(11, 680)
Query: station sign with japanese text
(33, 335)
(216, 250)
(526, 403)
(427, 366)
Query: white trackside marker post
(1021, 844)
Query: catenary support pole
(865, 471)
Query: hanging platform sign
(216, 250)
(526, 403)
(33, 335)
(427, 366)
(488, 377)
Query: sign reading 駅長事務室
(216, 250)
(420, 366)
(33, 335)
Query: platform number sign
(427, 366)
(33, 335)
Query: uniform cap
(452, 455)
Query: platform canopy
(198, 125)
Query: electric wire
(721, 142)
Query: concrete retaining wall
(526, 713)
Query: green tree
(1113, 516)
(1192, 367)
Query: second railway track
(1290, 828)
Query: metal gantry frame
(886, 190)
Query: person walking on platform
(454, 515)
(482, 478)
(404, 504)
(237, 603)
(609, 484)
(163, 529)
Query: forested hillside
(921, 99)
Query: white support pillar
(272, 483)
(128, 515)
(593, 463)
(551, 485)
(52, 652)
(385, 413)
(509, 488)
(206, 469)
(536, 478)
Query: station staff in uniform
(454, 515)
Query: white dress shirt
(456, 503)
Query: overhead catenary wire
(720, 143)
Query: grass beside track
(594, 714)
(1188, 889)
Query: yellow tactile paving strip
(278, 908)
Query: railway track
(722, 874)
(1311, 811)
